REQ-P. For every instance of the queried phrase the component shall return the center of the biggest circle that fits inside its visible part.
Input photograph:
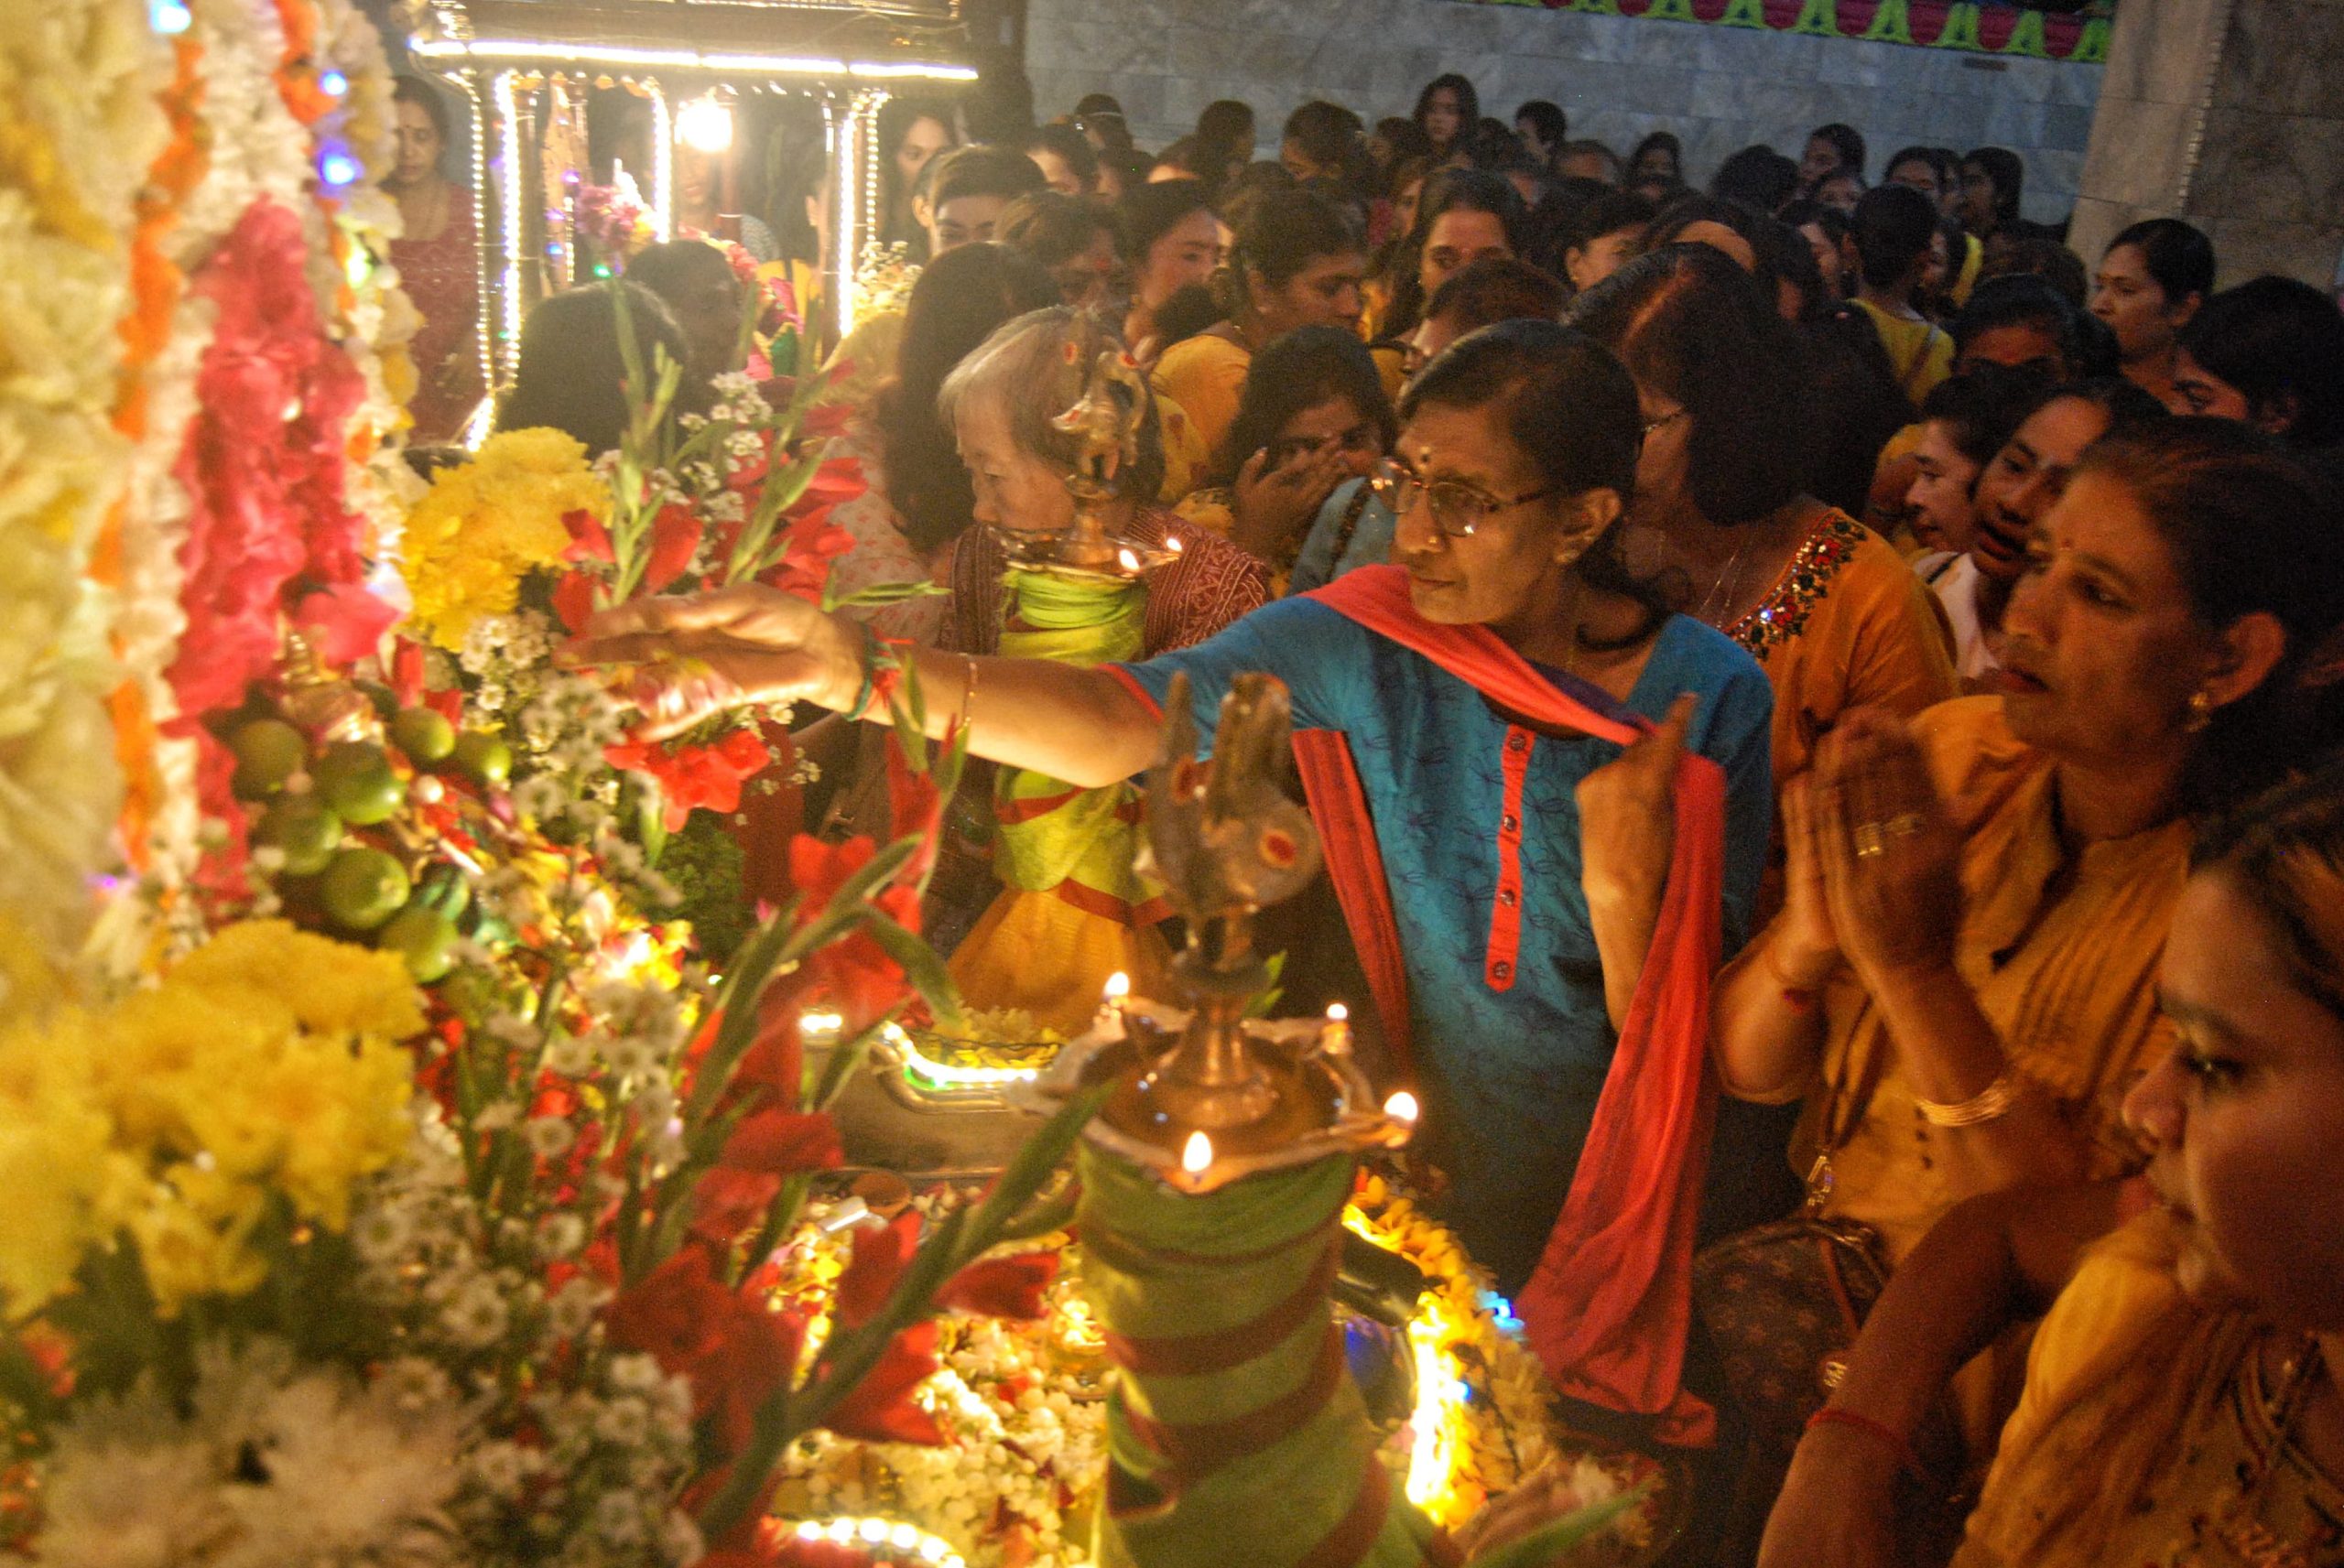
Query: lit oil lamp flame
(1402, 1106)
(1196, 1155)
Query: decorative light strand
(508, 145)
(903, 1539)
(838, 134)
(623, 58)
(940, 1075)
(663, 165)
(873, 99)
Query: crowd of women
(1825, 704)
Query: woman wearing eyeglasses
(1536, 879)
(1830, 610)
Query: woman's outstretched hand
(694, 657)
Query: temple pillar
(2228, 114)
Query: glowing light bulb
(705, 125)
(1196, 1155)
(1402, 1106)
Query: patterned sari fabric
(442, 277)
(2121, 1352)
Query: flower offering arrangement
(402, 1171)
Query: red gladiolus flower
(783, 1143)
(695, 777)
(573, 600)
(880, 1253)
(1002, 1287)
(879, 1408)
(589, 540)
(675, 539)
(735, 1350)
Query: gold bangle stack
(1990, 1104)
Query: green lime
(268, 751)
(424, 734)
(362, 888)
(305, 829)
(482, 757)
(354, 778)
(425, 938)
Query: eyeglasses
(1458, 509)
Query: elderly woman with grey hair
(998, 403)
(1070, 910)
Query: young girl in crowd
(1172, 240)
(1447, 112)
(1297, 261)
(913, 134)
(1964, 424)
(2270, 351)
(1465, 216)
(1314, 415)
(2152, 278)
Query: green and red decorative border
(1927, 23)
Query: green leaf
(921, 967)
(845, 1057)
(1045, 1215)
(881, 594)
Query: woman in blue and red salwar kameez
(1545, 802)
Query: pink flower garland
(272, 532)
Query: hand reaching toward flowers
(690, 658)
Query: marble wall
(2230, 114)
(1718, 87)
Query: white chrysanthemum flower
(549, 1136)
(623, 1424)
(129, 1486)
(478, 1317)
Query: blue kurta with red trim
(1478, 822)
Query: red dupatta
(1609, 1304)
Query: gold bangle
(1990, 1104)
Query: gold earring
(2201, 711)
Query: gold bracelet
(1990, 1104)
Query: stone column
(2228, 114)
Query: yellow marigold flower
(187, 1253)
(266, 1063)
(67, 1186)
(487, 525)
(328, 985)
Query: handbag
(1780, 1306)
